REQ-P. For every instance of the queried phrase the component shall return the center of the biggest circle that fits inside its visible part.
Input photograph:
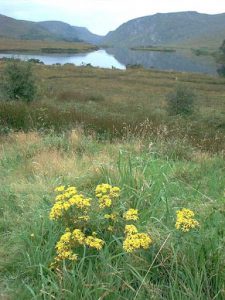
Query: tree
(18, 81)
(180, 101)
(221, 70)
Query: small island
(153, 48)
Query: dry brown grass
(50, 162)
(201, 156)
(25, 139)
(53, 163)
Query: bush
(221, 71)
(18, 82)
(181, 101)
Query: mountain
(70, 33)
(12, 28)
(168, 29)
(51, 30)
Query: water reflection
(121, 57)
(98, 58)
(178, 61)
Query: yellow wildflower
(112, 216)
(136, 241)
(62, 206)
(65, 239)
(110, 228)
(94, 242)
(78, 236)
(115, 192)
(69, 194)
(71, 189)
(130, 229)
(66, 254)
(56, 211)
(185, 220)
(102, 189)
(105, 201)
(80, 201)
(107, 189)
(84, 218)
(60, 188)
(131, 214)
(60, 197)
(63, 247)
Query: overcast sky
(101, 16)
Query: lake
(184, 61)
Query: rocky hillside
(168, 29)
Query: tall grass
(177, 266)
(48, 118)
(114, 103)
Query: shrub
(221, 71)
(18, 82)
(181, 101)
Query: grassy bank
(36, 46)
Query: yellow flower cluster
(134, 240)
(105, 201)
(84, 218)
(93, 242)
(185, 220)
(131, 214)
(130, 229)
(78, 236)
(63, 248)
(106, 193)
(67, 198)
(60, 188)
(70, 240)
(80, 201)
(112, 216)
(75, 210)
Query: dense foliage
(181, 101)
(18, 81)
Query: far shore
(39, 46)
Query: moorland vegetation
(107, 195)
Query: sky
(101, 16)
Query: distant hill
(12, 28)
(49, 30)
(169, 29)
(70, 33)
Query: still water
(119, 58)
